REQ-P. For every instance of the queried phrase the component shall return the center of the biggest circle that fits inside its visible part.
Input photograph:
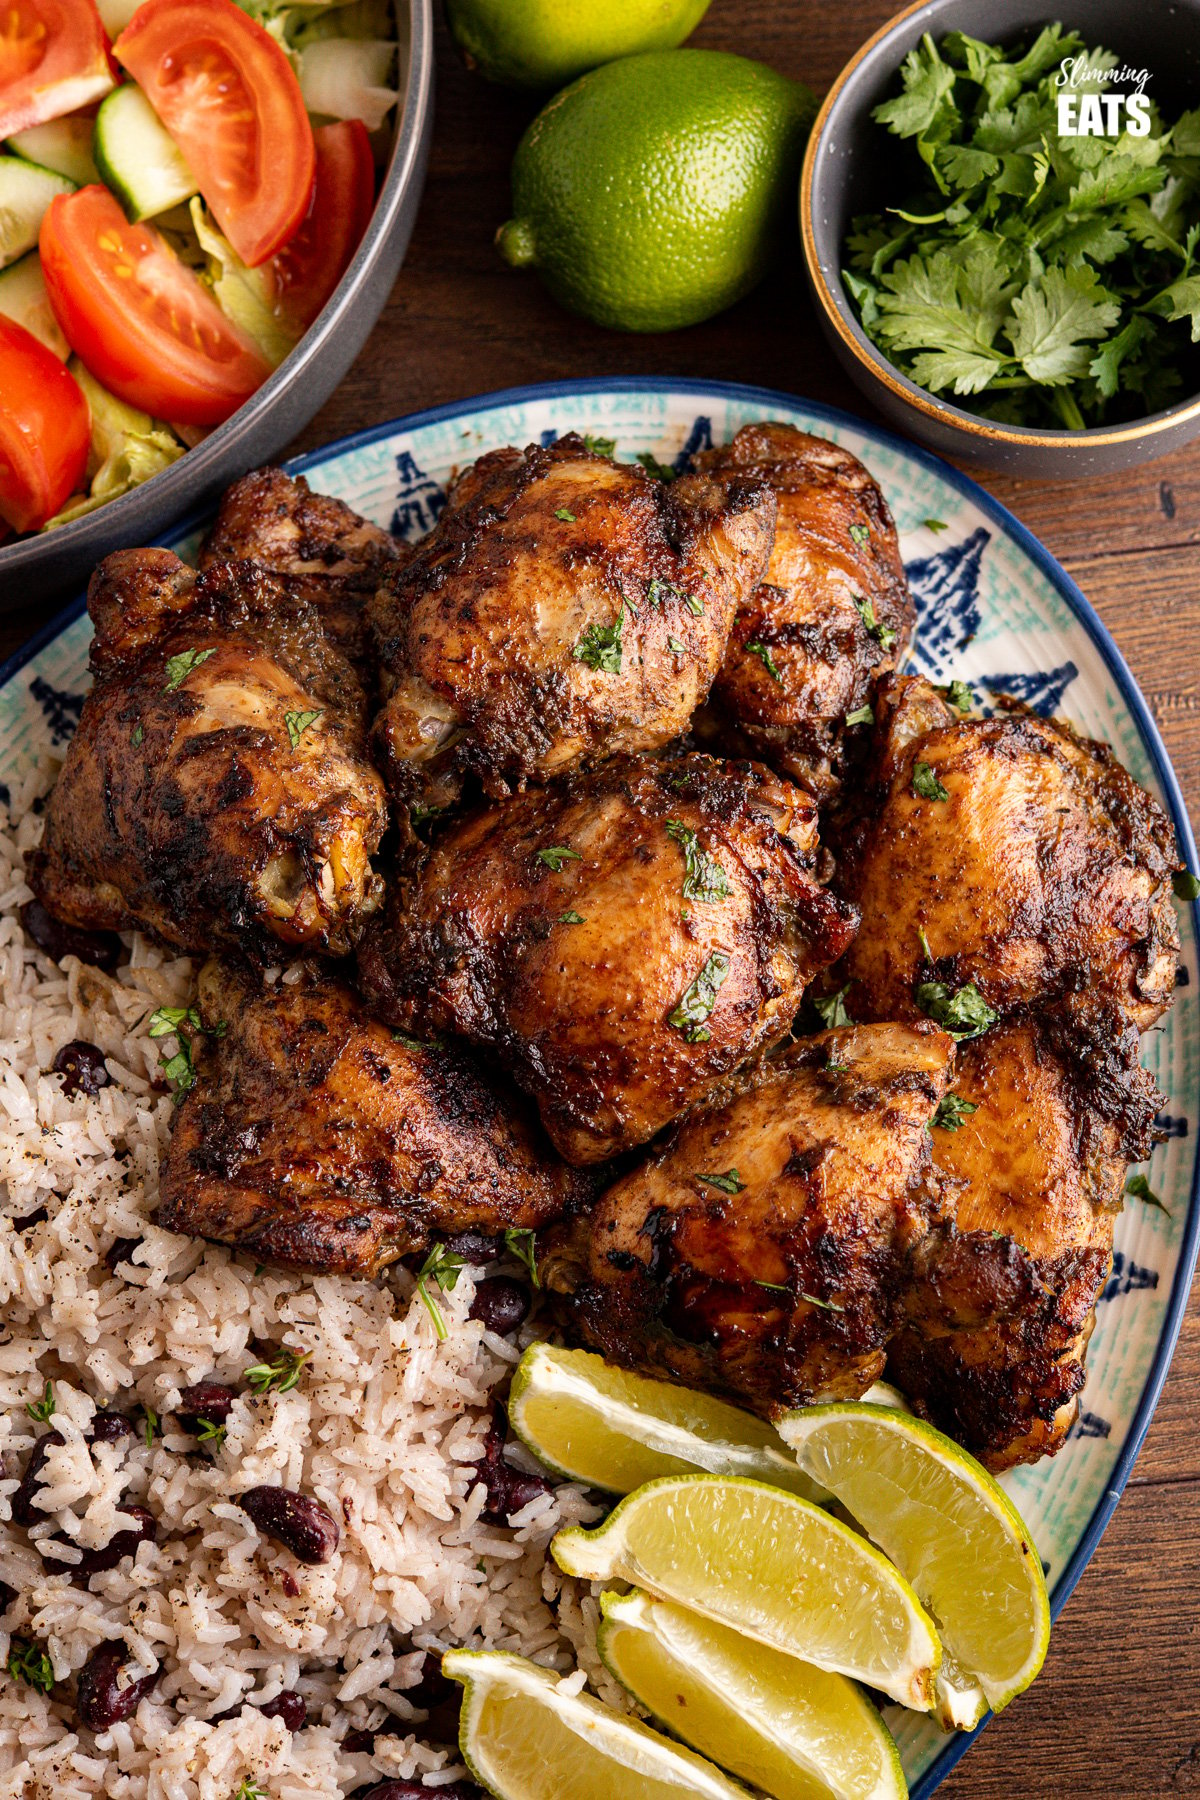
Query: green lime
(526, 1738)
(785, 1726)
(655, 191)
(952, 1532)
(545, 43)
(771, 1566)
(595, 1423)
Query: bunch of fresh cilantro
(1043, 278)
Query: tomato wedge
(307, 269)
(45, 428)
(226, 92)
(138, 318)
(53, 58)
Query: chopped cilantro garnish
(1185, 885)
(42, 1409)
(728, 1183)
(180, 667)
(862, 715)
(556, 856)
(952, 1109)
(571, 918)
(926, 785)
(600, 446)
(298, 723)
(964, 1013)
(565, 514)
(137, 734)
(29, 1663)
(443, 1266)
(705, 879)
(860, 533)
(521, 1242)
(884, 636)
(832, 1010)
(652, 466)
(1139, 1188)
(600, 646)
(763, 653)
(674, 644)
(280, 1375)
(699, 998)
(960, 694)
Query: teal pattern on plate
(988, 612)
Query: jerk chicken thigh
(620, 941)
(565, 607)
(317, 1138)
(217, 790)
(762, 1251)
(1015, 884)
(831, 614)
(315, 546)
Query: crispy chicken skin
(565, 607)
(1046, 871)
(760, 1254)
(315, 1138)
(1001, 1300)
(620, 941)
(318, 548)
(217, 790)
(836, 557)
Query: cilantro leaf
(600, 646)
(698, 999)
(952, 1109)
(926, 785)
(964, 1014)
(705, 879)
(832, 1011)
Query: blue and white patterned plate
(993, 607)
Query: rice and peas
(385, 1425)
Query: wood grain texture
(1117, 1711)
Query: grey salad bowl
(42, 570)
(844, 175)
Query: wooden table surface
(1116, 1712)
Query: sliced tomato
(45, 428)
(307, 269)
(138, 318)
(53, 58)
(226, 92)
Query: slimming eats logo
(1083, 112)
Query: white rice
(384, 1427)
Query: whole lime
(655, 191)
(544, 43)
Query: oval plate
(993, 607)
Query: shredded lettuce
(346, 78)
(245, 296)
(127, 448)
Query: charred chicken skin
(1022, 856)
(1001, 1300)
(317, 1138)
(565, 608)
(217, 790)
(315, 545)
(832, 612)
(620, 941)
(761, 1253)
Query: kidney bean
(82, 1067)
(111, 1427)
(7, 1596)
(99, 1702)
(508, 1490)
(23, 1512)
(500, 1304)
(209, 1400)
(474, 1247)
(100, 948)
(121, 1250)
(121, 1544)
(297, 1521)
(288, 1706)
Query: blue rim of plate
(1088, 617)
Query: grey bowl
(840, 179)
(39, 571)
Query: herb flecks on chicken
(803, 652)
(670, 974)
(565, 607)
(315, 1137)
(779, 1282)
(184, 806)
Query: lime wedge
(772, 1566)
(590, 1421)
(523, 1738)
(797, 1732)
(951, 1530)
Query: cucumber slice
(26, 190)
(137, 157)
(23, 298)
(64, 145)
